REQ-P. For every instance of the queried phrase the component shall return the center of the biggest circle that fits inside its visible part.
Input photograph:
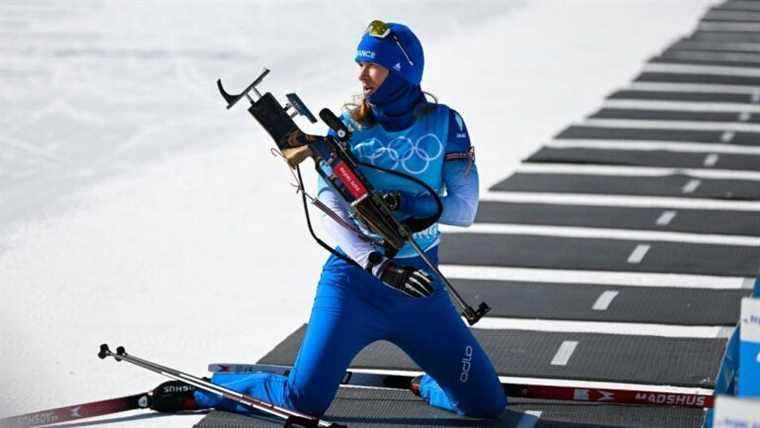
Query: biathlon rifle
(335, 163)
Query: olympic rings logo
(412, 156)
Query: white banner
(750, 320)
(732, 412)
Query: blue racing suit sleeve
(460, 177)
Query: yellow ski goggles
(381, 30)
(378, 28)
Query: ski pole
(471, 315)
(291, 417)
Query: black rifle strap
(311, 229)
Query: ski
(545, 392)
(289, 417)
(78, 411)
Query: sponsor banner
(749, 349)
(732, 412)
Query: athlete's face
(372, 76)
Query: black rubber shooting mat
(718, 14)
(712, 97)
(726, 36)
(710, 48)
(711, 79)
(730, 54)
(724, 58)
(633, 134)
(664, 115)
(601, 357)
(689, 43)
(720, 222)
(654, 158)
(721, 59)
(740, 5)
(549, 252)
(658, 305)
(668, 185)
(357, 407)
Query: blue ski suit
(352, 308)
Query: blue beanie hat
(399, 51)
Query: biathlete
(375, 297)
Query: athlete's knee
(488, 408)
(309, 400)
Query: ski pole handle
(471, 315)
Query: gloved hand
(173, 396)
(409, 280)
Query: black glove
(173, 396)
(411, 281)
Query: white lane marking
(529, 419)
(691, 186)
(665, 218)
(744, 116)
(711, 160)
(564, 353)
(690, 106)
(619, 200)
(602, 233)
(634, 171)
(749, 283)
(726, 331)
(647, 145)
(603, 327)
(714, 70)
(727, 136)
(595, 277)
(572, 383)
(604, 300)
(683, 125)
(728, 26)
(691, 87)
(638, 253)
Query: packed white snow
(137, 211)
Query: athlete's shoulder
(440, 110)
(458, 139)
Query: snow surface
(137, 211)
